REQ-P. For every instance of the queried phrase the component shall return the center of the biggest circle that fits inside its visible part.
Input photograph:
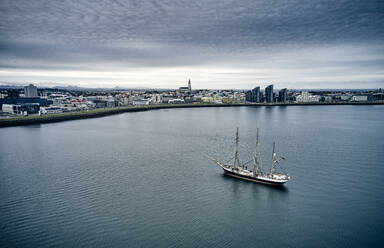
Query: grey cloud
(118, 35)
(103, 22)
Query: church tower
(189, 85)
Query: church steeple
(189, 85)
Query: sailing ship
(236, 170)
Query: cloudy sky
(216, 43)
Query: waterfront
(142, 179)
(66, 116)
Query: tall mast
(273, 159)
(236, 162)
(256, 156)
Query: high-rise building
(253, 95)
(30, 91)
(283, 95)
(269, 93)
(256, 94)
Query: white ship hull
(255, 179)
(240, 173)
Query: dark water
(142, 180)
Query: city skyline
(160, 44)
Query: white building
(176, 101)
(345, 97)
(51, 110)
(30, 91)
(166, 98)
(207, 99)
(156, 99)
(306, 97)
(359, 98)
(12, 109)
(140, 102)
(111, 102)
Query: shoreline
(67, 116)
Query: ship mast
(256, 156)
(273, 159)
(236, 161)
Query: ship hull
(252, 179)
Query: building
(238, 98)
(188, 99)
(30, 108)
(99, 103)
(186, 90)
(326, 99)
(176, 101)
(217, 98)
(51, 110)
(253, 95)
(14, 109)
(378, 97)
(269, 93)
(111, 102)
(209, 99)
(156, 99)
(141, 102)
(166, 98)
(21, 109)
(21, 101)
(345, 98)
(30, 91)
(283, 97)
(359, 98)
(307, 97)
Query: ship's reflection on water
(256, 201)
(272, 190)
(281, 188)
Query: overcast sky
(216, 43)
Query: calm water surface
(143, 180)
